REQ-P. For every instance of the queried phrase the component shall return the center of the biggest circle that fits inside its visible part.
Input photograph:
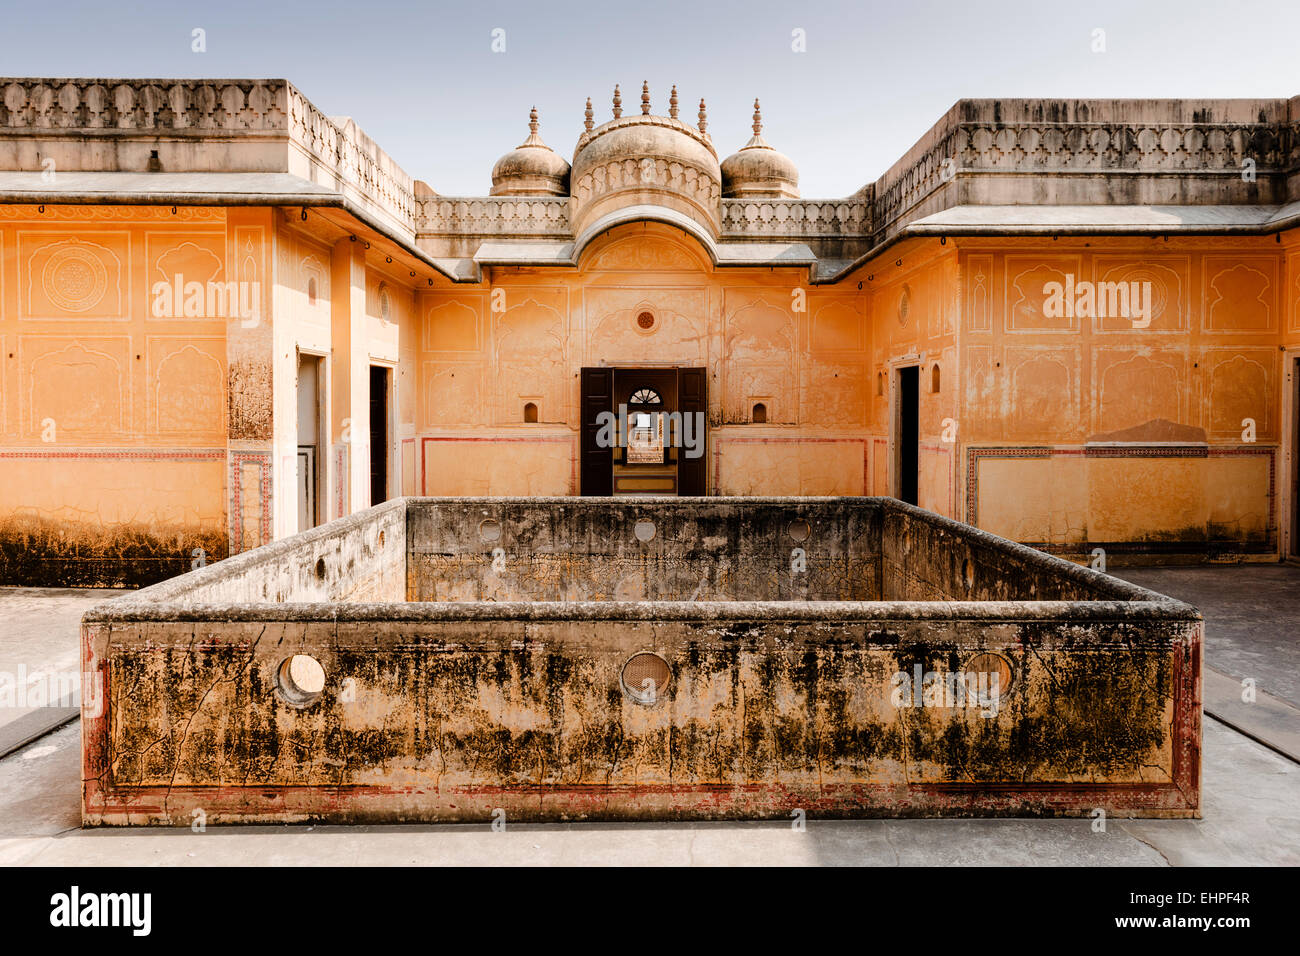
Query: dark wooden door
(596, 463)
(693, 398)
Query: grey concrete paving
(1252, 810)
(1253, 712)
(39, 639)
(1251, 795)
(1252, 618)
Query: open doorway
(311, 430)
(380, 380)
(1293, 455)
(907, 436)
(644, 431)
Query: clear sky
(424, 81)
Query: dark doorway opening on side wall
(379, 385)
(907, 439)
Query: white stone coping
(133, 188)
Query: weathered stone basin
(691, 658)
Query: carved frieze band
(695, 184)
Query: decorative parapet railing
(207, 106)
(493, 216)
(184, 109)
(549, 217)
(1220, 157)
(982, 152)
(795, 218)
(354, 157)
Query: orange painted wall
(913, 302)
(1082, 432)
(763, 335)
(119, 413)
(129, 439)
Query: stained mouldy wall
(772, 697)
(702, 549)
(358, 558)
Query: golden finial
(672, 102)
(618, 102)
(645, 98)
(533, 139)
(704, 120)
(758, 118)
(587, 124)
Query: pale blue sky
(423, 81)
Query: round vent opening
(645, 321)
(799, 529)
(1000, 675)
(300, 680)
(644, 530)
(489, 529)
(645, 677)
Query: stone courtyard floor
(1250, 793)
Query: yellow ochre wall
(1086, 432)
(912, 295)
(120, 431)
(763, 334)
(128, 441)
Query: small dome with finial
(531, 169)
(758, 170)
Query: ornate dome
(646, 160)
(531, 169)
(758, 170)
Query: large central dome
(646, 160)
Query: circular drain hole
(645, 677)
(993, 676)
(489, 529)
(644, 530)
(800, 530)
(300, 680)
